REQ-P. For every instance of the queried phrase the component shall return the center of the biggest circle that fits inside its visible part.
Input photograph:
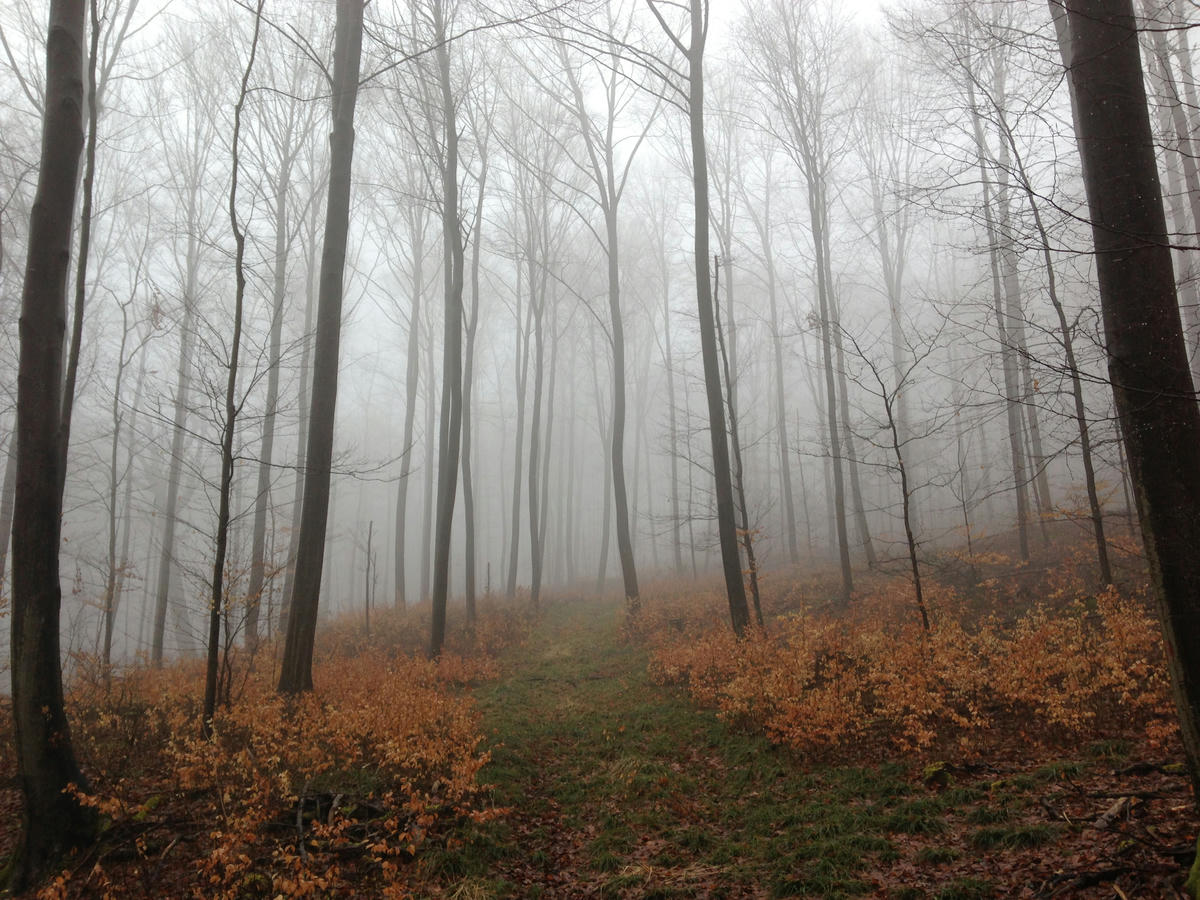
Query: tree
(295, 672)
(452, 374)
(1147, 356)
(232, 404)
(609, 177)
(696, 26)
(285, 127)
(188, 153)
(53, 820)
(793, 57)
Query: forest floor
(617, 787)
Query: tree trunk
(672, 414)
(8, 493)
(739, 612)
(166, 560)
(763, 224)
(296, 667)
(81, 264)
(53, 821)
(522, 380)
(429, 472)
(739, 483)
(262, 501)
(606, 430)
(452, 375)
(537, 299)
(468, 483)
(229, 426)
(302, 404)
(1147, 357)
(1008, 364)
(827, 324)
(411, 380)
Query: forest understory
(1025, 747)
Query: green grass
(1014, 838)
(937, 856)
(630, 788)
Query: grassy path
(619, 788)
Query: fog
(896, 225)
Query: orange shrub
(296, 796)
(815, 681)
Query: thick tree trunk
(452, 376)
(296, 667)
(302, 403)
(53, 821)
(606, 499)
(1147, 357)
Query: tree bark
(53, 821)
(1147, 357)
(739, 611)
(452, 376)
(302, 404)
(296, 667)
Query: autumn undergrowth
(332, 793)
(1075, 664)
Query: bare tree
(53, 821)
(452, 375)
(792, 56)
(232, 402)
(295, 673)
(695, 27)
